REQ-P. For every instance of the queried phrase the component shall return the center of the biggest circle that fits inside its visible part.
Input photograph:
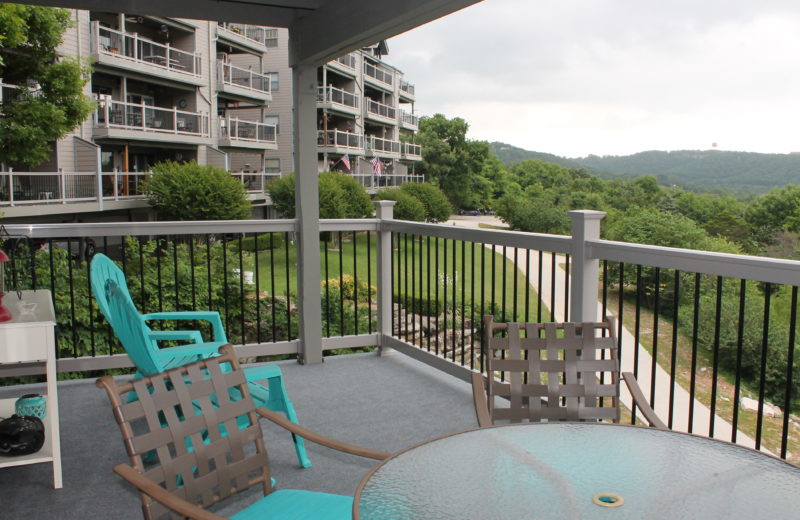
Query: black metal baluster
(673, 361)
(483, 300)
(369, 283)
(763, 371)
(463, 297)
(620, 300)
(514, 291)
(693, 370)
(175, 269)
(406, 306)
(654, 357)
(739, 352)
(257, 298)
(566, 288)
(272, 284)
(241, 289)
(420, 310)
(355, 283)
(444, 301)
(143, 303)
(288, 287)
(208, 271)
(436, 285)
(552, 286)
(715, 358)
(431, 276)
(395, 273)
(539, 288)
(413, 288)
(472, 308)
(455, 305)
(71, 301)
(327, 289)
(637, 327)
(527, 285)
(191, 265)
(503, 287)
(90, 299)
(53, 281)
(225, 282)
(159, 251)
(787, 401)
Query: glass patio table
(578, 471)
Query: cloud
(609, 76)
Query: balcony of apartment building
(141, 55)
(253, 37)
(407, 120)
(406, 91)
(340, 142)
(243, 83)
(338, 100)
(410, 152)
(241, 133)
(347, 64)
(381, 147)
(378, 77)
(143, 121)
(380, 112)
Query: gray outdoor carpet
(386, 403)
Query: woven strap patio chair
(553, 372)
(141, 342)
(202, 423)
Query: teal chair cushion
(297, 504)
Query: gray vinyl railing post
(384, 211)
(584, 271)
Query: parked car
(471, 212)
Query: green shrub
(407, 207)
(437, 207)
(263, 242)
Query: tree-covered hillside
(699, 170)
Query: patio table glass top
(562, 471)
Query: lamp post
(5, 314)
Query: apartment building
(182, 90)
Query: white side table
(30, 338)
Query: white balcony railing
(244, 78)
(379, 109)
(378, 74)
(252, 131)
(148, 118)
(19, 189)
(337, 97)
(411, 150)
(137, 49)
(408, 119)
(406, 87)
(340, 139)
(255, 33)
(348, 60)
(378, 144)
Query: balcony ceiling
(321, 29)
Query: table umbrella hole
(608, 500)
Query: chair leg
(279, 402)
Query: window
(272, 165)
(274, 120)
(274, 82)
(271, 37)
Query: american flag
(346, 161)
(377, 166)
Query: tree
(340, 196)
(188, 191)
(452, 161)
(407, 207)
(47, 99)
(437, 207)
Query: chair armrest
(640, 401)
(479, 397)
(320, 439)
(209, 316)
(169, 335)
(192, 349)
(260, 372)
(163, 496)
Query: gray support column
(384, 211)
(584, 271)
(304, 86)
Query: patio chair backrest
(130, 328)
(552, 371)
(200, 420)
(101, 270)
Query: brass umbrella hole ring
(608, 500)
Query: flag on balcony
(346, 161)
(377, 166)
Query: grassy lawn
(351, 258)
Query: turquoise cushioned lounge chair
(141, 342)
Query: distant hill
(696, 169)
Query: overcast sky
(611, 77)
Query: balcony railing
(348, 60)
(244, 78)
(19, 189)
(255, 33)
(241, 130)
(142, 50)
(340, 139)
(407, 87)
(378, 74)
(374, 183)
(408, 119)
(412, 150)
(379, 109)
(337, 96)
(378, 144)
(148, 118)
